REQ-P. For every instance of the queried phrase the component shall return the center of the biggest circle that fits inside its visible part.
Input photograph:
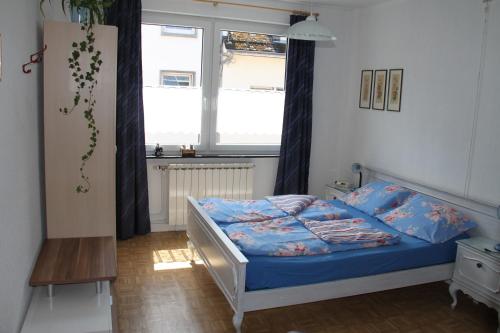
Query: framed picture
(378, 102)
(365, 93)
(395, 88)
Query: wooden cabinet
(68, 136)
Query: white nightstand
(332, 192)
(477, 272)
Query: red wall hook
(35, 58)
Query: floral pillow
(377, 197)
(428, 219)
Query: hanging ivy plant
(85, 79)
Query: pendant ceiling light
(310, 29)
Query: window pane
(252, 88)
(172, 71)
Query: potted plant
(89, 13)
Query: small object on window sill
(158, 150)
(188, 152)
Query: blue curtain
(132, 203)
(293, 168)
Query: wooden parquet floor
(157, 290)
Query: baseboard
(162, 227)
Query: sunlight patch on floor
(174, 259)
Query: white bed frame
(227, 264)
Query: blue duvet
(289, 237)
(232, 211)
(260, 228)
(264, 272)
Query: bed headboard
(486, 216)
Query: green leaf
(83, 46)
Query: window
(177, 79)
(172, 103)
(222, 91)
(251, 88)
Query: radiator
(228, 180)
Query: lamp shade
(310, 29)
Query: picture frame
(395, 89)
(365, 90)
(379, 90)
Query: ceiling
(349, 3)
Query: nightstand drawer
(478, 269)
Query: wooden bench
(75, 260)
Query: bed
(252, 283)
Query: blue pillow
(377, 197)
(428, 219)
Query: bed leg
(191, 249)
(237, 321)
(453, 293)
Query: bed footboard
(225, 263)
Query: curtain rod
(215, 3)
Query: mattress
(275, 272)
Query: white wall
(330, 100)
(438, 43)
(21, 164)
(484, 182)
(21, 167)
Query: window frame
(230, 25)
(211, 62)
(205, 80)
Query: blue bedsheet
(275, 272)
